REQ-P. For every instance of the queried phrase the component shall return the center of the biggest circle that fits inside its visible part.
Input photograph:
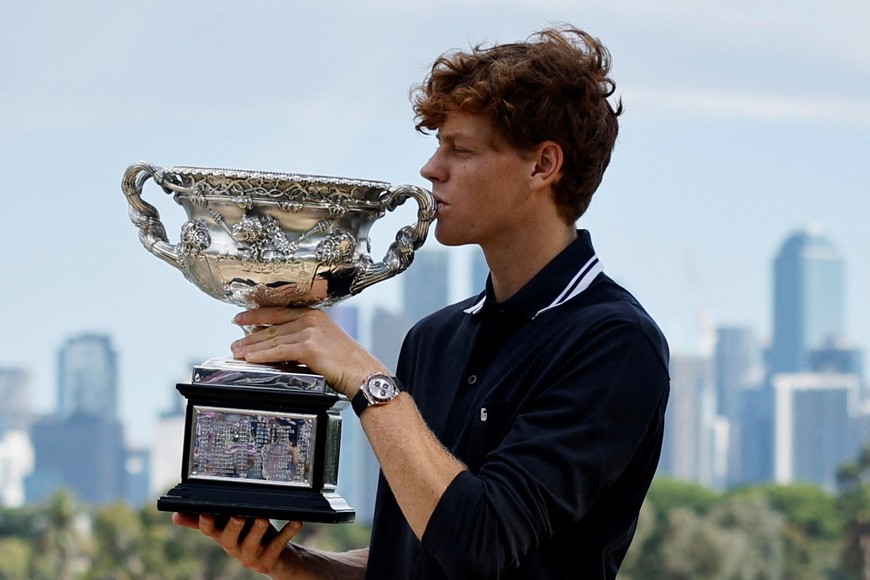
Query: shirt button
(471, 379)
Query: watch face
(381, 388)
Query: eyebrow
(453, 135)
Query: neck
(517, 260)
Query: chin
(445, 239)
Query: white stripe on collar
(476, 308)
(578, 284)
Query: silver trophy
(263, 440)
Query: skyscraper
(739, 372)
(16, 451)
(16, 463)
(15, 413)
(425, 285)
(87, 377)
(695, 439)
(82, 446)
(814, 426)
(738, 367)
(808, 300)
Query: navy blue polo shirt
(554, 399)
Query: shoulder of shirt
(607, 304)
(447, 316)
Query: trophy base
(229, 500)
(260, 441)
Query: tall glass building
(808, 300)
(88, 377)
(82, 447)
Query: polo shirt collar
(566, 276)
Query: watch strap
(359, 402)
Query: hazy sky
(744, 121)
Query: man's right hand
(276, 558)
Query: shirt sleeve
(579, 434)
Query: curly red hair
(554, 86)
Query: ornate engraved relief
(194, 237)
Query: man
(531, 422)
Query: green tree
(17, 522)
(854, 503)
(667, 494)
(751, 533)
(812, 528)
(666, 497)
(118, 533)
(334, 537)
(644, 535)
(14, 559)
(62, 545)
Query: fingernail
(295, 525)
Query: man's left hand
(307, 336)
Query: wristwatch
(378, 389)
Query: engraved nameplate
(259, 446)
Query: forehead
(473, 129)
(459, 124)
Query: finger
(273, 549)
(229, 537)
(255, 532)
(264, 334)
(269, 315)
(269, 337)
(209, 526)
(273, 353)
(186, 520)
(268, 347)
(252, 329)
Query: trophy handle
(145, 216)
(401, 252)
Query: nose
(433, 169)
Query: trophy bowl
(255, 238)
(263, 440)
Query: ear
(548, 164)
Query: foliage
(854, 509)
(765, 532)
(813, 530)
(15, 555)
(63, 540)
(685, 531)
(667, 494)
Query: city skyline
(732, 420)
(413, 297)
(466, 266)
(734, 136)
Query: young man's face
(480, 183)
